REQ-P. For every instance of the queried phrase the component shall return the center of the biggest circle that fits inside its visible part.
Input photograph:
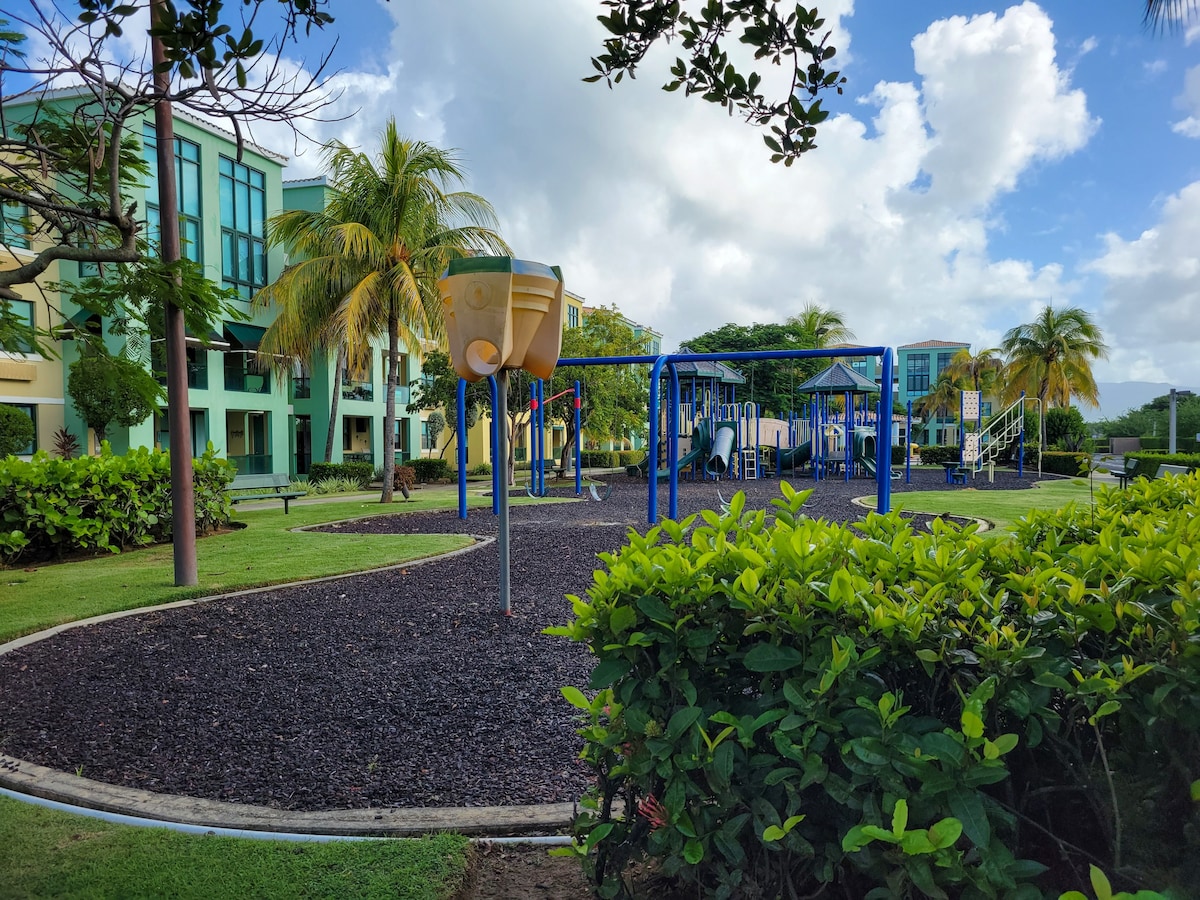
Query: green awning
(213, 340)
(84, 320)
(243, 336)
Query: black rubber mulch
(399, 688)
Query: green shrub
(1152, 442)
(899, 456)
(782, 708)
(938, 454)
(334, 486)
(361, 472)
(430, 470)
(52, 507)
(1149, 461)
(600, 459)
(481, 469)
(630, 457)
(1058, 462)
(16, 430)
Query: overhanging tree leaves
(790, 36)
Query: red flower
(653, 812)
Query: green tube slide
(794, 458)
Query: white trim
(37, 401)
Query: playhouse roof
(715, 370)
(838, 379)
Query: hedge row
(362, 472)
(430, 470)
(785, 708)
(52, 507)
(1149, 461)
(1060, 462)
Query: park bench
(1166, 469)
(955, 474)
(269, 487)
(1125, 476)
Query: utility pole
(183, 503)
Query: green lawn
(44, 853)
(266, 552)
(1001, 508)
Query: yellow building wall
(30, 378)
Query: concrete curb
(49, 784)
(24, 777)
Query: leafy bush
(1057, 462)
(481, 469)
(1152, 442)
(601, 459)
(427, 470)
(1149, 461)
(361, 472)
(630, 457)
(781, 708)
(938, 454)
(66, 445)
(899, 456)
(16, 430)
(403, 477)
(336, 485)
(51, 507)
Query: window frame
(242, 247)
(30, 409)
(187, 158)
(917, 373)
(14, 229)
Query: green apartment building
(264, 421)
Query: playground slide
(794, 458)
(867, 463)
(701, 447)
(722, 447)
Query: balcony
(358, 390)
(247, 382)
(403, 395)
(366, 457)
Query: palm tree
(981, 369)
(943, 398)
(819, 327)
(1168, 13)
(372, 257)
(1051, 358)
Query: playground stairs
(984, 447)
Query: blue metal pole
(673, 442)
(908, 442)
(541, 436)
(461, 424)
(578, 442)
(848, 434)
(883, 467)
(498, 464)
(655, 378)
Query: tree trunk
(389, 415)
(333, 403)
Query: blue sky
(986, 159)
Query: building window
(31, 411)
(359, 389)
(944, 361)
(14, 224)
(426, 439)
(572, 316)
(859, 366)
(985, 409)
(243, 220)
(187, 190)
(918, 373)
(23, 311)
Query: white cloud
(668, 207)
(1154, 68)
(1189, 101)
(1152, 292)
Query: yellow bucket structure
(502, 313)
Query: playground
(396, 688)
